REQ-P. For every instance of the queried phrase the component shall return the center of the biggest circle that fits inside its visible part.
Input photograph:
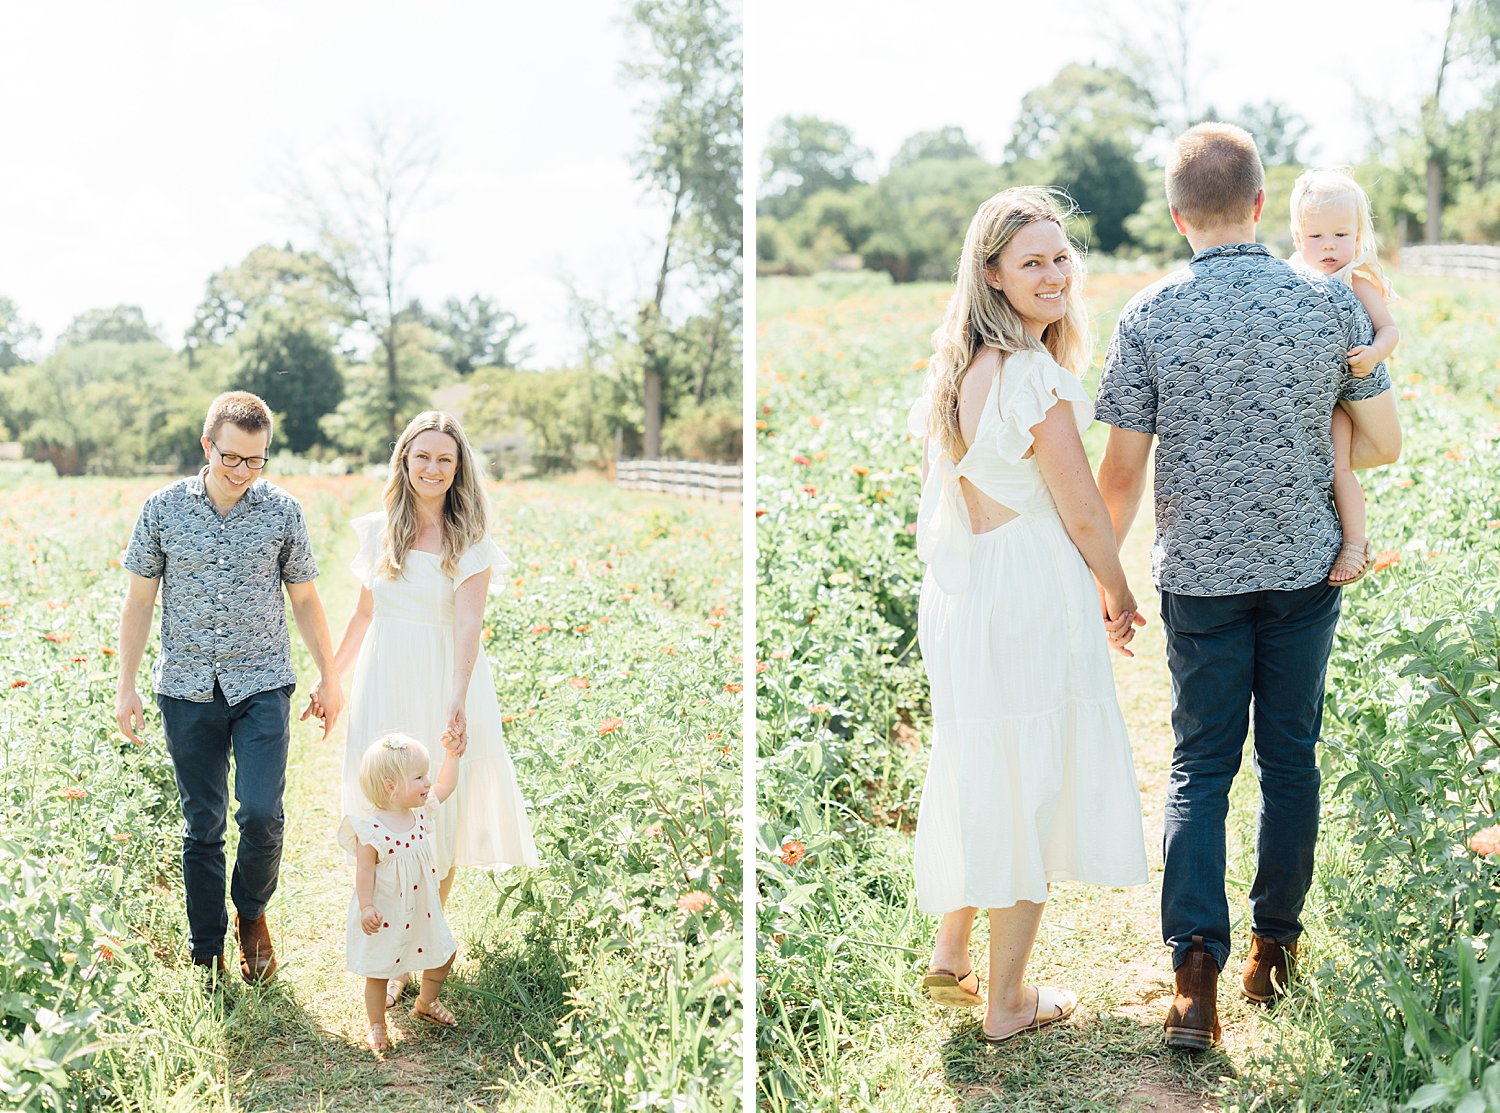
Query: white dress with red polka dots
(413, 934)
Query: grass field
(607, 979)
(1399, 1002)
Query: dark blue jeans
(1226, 653)
(200, 738)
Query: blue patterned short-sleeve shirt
(1235, 363)
(223, 614)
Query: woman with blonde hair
(1030, 779)
(424, 567)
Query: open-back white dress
(1030, 778)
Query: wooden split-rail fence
(1458, 260)
(682, 477)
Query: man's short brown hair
(1214, 175)
(241, 408)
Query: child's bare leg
(427, 1005)
(1349, 501)
(375, 1012)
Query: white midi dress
(1030, 778)
(402, 682)
(413, 934)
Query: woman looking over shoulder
(1030, 779)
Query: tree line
(328, 335)
(1097, 131)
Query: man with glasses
(220, 545)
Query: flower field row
(1401, 1002)
(614, 646)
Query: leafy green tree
(803, 155)
(1099, 171)
(944, 143)
(295, 371)
(918, 215)
(297, 288)
(124, 324)
(689, 157)
(1095, 100)
(16, 333)
(104, 406)
(360, 424)
(1278, 132)
(478, 333)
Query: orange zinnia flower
(540, 628)
(19, 683)
(1486, 842)
(579, 682)
(75, 792)
(695, 901)
(1385, 558)
(792, 852)
(610, 725)
(734, 688)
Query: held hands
(1121, 619)
(325, 702)
(369, 919)
(1362, 360)
(456, 737)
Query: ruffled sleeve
(1030, 384)
(479, 556)
(370, 529)
(354, 832)
(919, 417)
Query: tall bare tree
(359, 211)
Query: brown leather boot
(1269, 970)
(257, 958)
(1193, 1019)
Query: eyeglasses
(233, 460)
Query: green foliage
(569, 416)
(274, 287)
(609, 977)
(108, 407)
(295, 371)
(478, 333)
(1400, 1006)
(1094, 101)
(124, 324)
(15, 333)
(712, 430)
(805, 155)
(919, 212)
(943, 143)
(1278, 131)
(360, 424)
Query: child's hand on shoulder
(1362, 360)
(369, 919)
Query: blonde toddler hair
(979, 315)
(1317, 189)
(388, 760)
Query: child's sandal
(394, 988)
(1353, 561)
(434, 1013)
(376, 1038)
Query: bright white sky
(887, 69)
(146, 143)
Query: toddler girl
(1334, 236)
(396, 922)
